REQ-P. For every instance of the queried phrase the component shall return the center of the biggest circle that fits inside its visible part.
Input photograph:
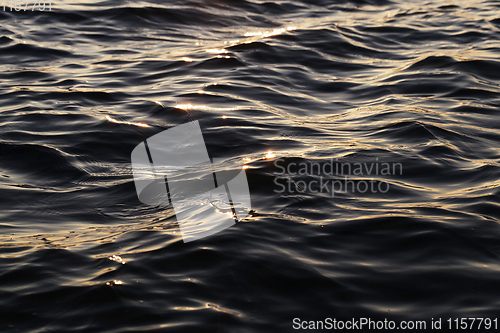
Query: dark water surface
(360, 81)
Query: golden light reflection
(126, 122)
(270, 155)
(187, 107)
(187, 59)
(269, 33)
(216, 51)
(117, 259)
(114, 282)
(190, 107)
(219, 308)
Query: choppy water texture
(361, 81)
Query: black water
(359, 81)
